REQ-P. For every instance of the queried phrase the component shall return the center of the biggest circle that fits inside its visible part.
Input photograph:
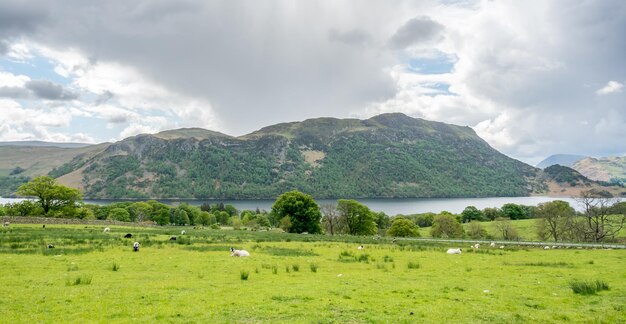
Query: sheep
(360, 247)
(493, 244)
(44, 226)
(238, 253)
(136, 247)
(6, 224)
(106, 230)
(128, 235)
(182, 232)
(173, 238)
(502, 246)
(477, 245)
(51, 246)
(454, 251)
(546, 247)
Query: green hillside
(390, 155)
(608, 169)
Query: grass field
(91, 276)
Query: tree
(471, 213)
(51, 195)
(382, 221)
(599, 223)
(332, 219)
(402, 227)
(492, 213)
(555, 218)
(119, 214)
(476, 231)
(303, 212)
(445, 225)
(359, 218)
(513, 211)
(506, 229)
(140, 211)
(425, 220)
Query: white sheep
(238, 253)
(493, 244)
(6, 224)
(182, 232)
(476, 246)
(106, 230)
(546, 247)
(136, 246)
(502, 246)
(454, 251)
(360, 247)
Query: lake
(389, 206)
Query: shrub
(588, 287)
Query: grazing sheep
(238, 253)
(477, 245)
(128, 235)
(106, 230)
(182, 232)
(173, 238)
(51, 246)
(44, 226)
(6, 224)
(454, 251)
(546, 247)
(493, 244)
(360, 247)
(502, 246)
(136, 246)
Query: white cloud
(610, 87)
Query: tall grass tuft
(244, 275)
(82, 280)
(313, 267)
(115, 267)
(295, 267)
(413, 265)
(274, 269)
(588, 287)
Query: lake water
(389, 206)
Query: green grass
(201, 283)
(588, 287)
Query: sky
(532, 78)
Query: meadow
(91, 276)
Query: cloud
(44, 89)
(610, 87)
(354, 37)
(417, 31)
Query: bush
(402, 227)
(588, 287)
(476, 230)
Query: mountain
(390, 155)
(608, 169)
(43, 144)
(561, 159)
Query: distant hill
(561, 159)
(44, 144)
(390, 155)
(608, 169)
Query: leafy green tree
(513, 211)
(476, 231)
(222, 217)
(555, 218)
(303, 212)
(24, 208)
(231, 210)
(51, 195)
(140, 211)
(446, 225)
(425, 220)
(402, 227)
(492, 213)
(162, 217)
(119, 214)
(205, 218)
(471, 213)
(383, 221)
(359, 218)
